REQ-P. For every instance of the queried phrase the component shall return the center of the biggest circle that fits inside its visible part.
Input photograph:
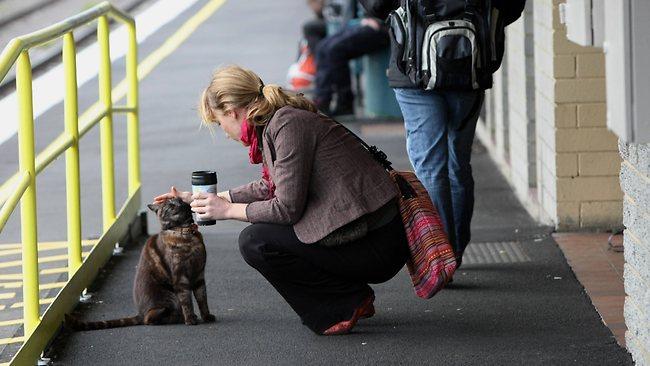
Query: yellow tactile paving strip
(51, 255)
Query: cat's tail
(77, 324)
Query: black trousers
(333, 55)
(324, 285)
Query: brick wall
(545, 108)
(593, 189)
(521, 105)
(550, 135)
(545, 125)
(635, 182)
(500, 99)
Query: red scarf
(249, 138)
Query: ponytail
(235, 87)
(273, 98)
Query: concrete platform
(531, 312)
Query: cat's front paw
(191, 320)
(209, 318)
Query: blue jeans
(439, 144)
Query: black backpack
(448, 45)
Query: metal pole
(72, 154)
(28, 202)
(106, 128)
(133, 118)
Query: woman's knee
(250, 245)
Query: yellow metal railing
(39, 330)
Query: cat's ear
(153, 207)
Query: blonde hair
(235, 87)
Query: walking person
(440, 96)
(325, 220)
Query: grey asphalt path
(51, 183)
(531, 312)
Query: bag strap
(376, 153)
(404, 187)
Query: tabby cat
(170, 269)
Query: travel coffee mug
(204, 181)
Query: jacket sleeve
(379, 8)
(510, 9)
(295, 145)
(251, 192)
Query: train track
(54, 56)
(40, 5)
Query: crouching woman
(325, 220)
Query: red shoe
(366, 309)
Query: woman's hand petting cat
(210, 206)
(185, 196)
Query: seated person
(333, 55)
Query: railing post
(106, 129)
(28, 202)
(72, 154)
(133, 116)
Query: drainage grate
(494, 252)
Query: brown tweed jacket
(324, 178)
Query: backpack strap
(471, 10)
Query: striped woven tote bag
(432, 262)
